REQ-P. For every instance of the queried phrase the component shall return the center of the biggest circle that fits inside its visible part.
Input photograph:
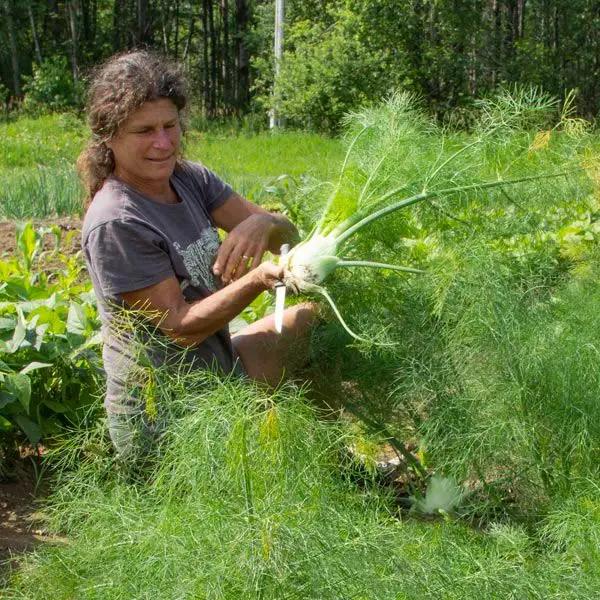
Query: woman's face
(147, 143)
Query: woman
(151, 244)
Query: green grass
(37, 173)
(39, 192)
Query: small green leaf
(27, 242)
(6, 398)
(95, 340)
(58, 407)
(77, 319)
(20, 386)
(19, 333)
(7, 323)
(32, 430)
(32, 366)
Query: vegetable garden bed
(483, 373)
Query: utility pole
(275, 118)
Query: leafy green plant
(326, 73)
(51, 87)
(49, 337)
(248, 484)
(41, 192)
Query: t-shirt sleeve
(215, 190)
(126, 256)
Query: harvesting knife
(280, 294)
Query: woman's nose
(162, 139)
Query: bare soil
(20, 525)
(70, 226)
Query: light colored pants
(134, 436)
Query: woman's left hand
(244, 247)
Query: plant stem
(320, 290)
(342, 234)
(246, 475)
(450, 159)
(321, 222)
(377, 265)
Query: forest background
(339, 54)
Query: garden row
(482, 373)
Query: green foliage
(400, 161)
(51, 87)
(493, 381)
(41, 192)
(248, 485)
(4, 93)
(473, 373)
(38, 176)
(42, 140)
(49, 339)
(327, 73)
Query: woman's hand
(243, 249)
(269, 274)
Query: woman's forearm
(190, 324)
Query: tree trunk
(176, 29)
(142, 22)
(225, 56)
(213, 60)
(118, 15)
(497, 41)
(72, 8)
(14, 55)
(165, 25)
(242, 57)
(34, 35)
(521, 23)
(205, 66)
(190, 35)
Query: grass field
(38, 178)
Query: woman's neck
(159, 191)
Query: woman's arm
(252, 231)
(190, 324)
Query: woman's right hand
(269, 274)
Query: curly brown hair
(117, 89)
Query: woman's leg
(268, 355)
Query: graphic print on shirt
(199, 257)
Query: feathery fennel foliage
(398, 158)
(248, 501)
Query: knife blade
(280, 291)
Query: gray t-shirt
(131, 242)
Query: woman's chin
(161, 166)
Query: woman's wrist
(281, 231)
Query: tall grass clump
(41, 192)
(246, 499)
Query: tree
(14, 56)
